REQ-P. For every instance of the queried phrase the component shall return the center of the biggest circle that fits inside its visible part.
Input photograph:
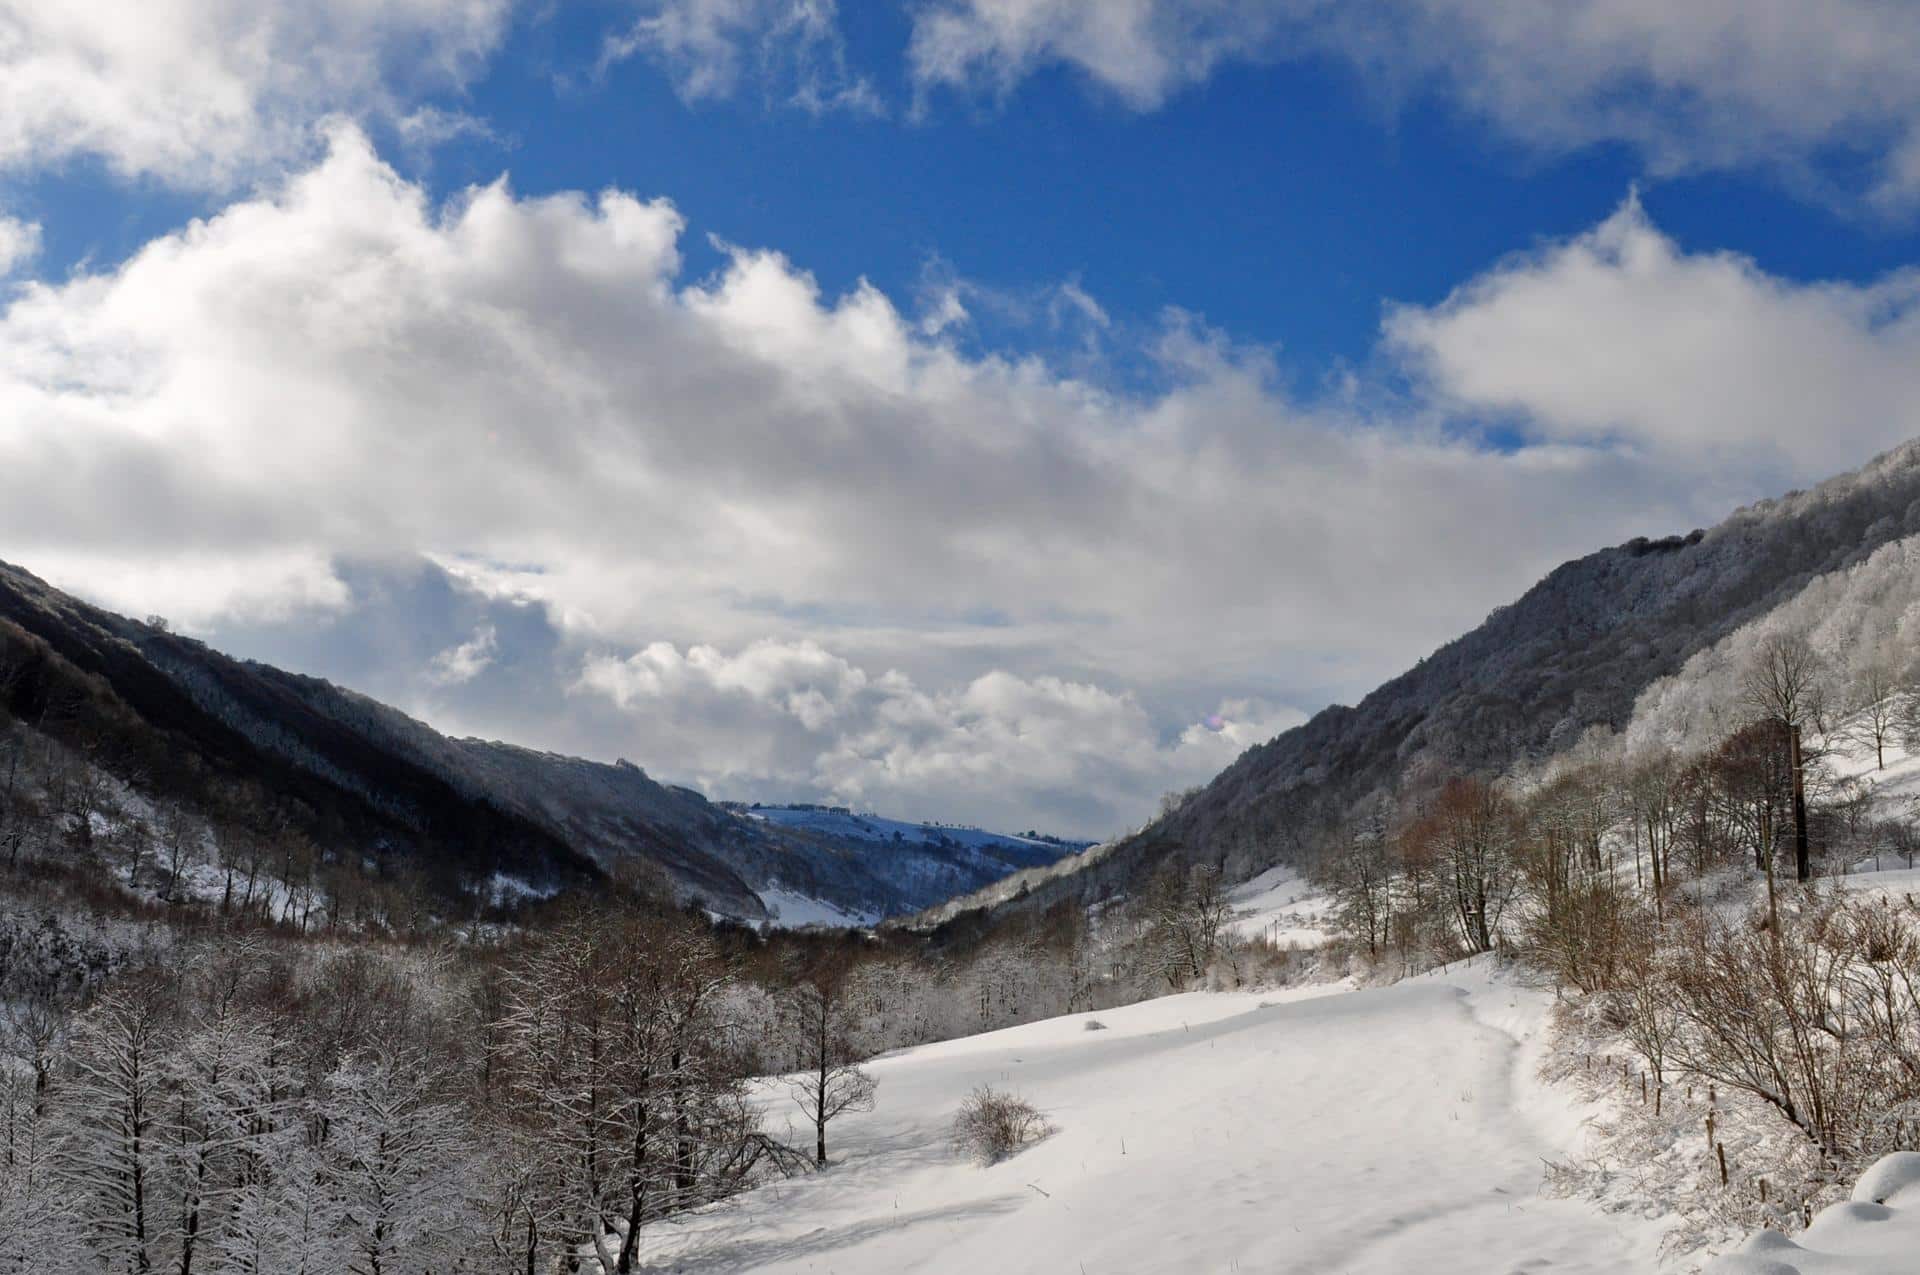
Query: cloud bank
(778, 539)
(1826, 95)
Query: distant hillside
(364, 777)
(927, 861)
(1574, 652)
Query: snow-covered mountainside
(372, 779)
(1578, 650)
(1315, 1130)
(930, 862)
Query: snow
(1896, 883)
(1279, 906)
(1877, 1232)
(791, 910)
(1384, 1130)
(861, 826)
(502, 889)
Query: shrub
(993, 1125)
(1095, 1025)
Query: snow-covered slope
(920, 864)
(849, 825)
(1281, 907)
(1391, 1130)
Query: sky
(999, 411)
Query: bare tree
(1363, 887)
(1784, 684)
(831, 1081)
(1876, 708)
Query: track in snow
(1390, 1130)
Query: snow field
(1315, 1130)
(1281, 907)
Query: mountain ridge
(1572, 653)
(362, 774)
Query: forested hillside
(244, 745)
(1574, 653)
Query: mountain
(1577, 651)
(172, 716)
(925, 860)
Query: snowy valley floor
(1398, 1129)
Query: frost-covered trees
(392, 1162)
(115, 1105)
(1812, 1015)
(1875, 705)
(1784, 684)
(619, 1089)
(35, 1218)
(1363, 887)
(1186, 915)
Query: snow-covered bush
(993, 1125)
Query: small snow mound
(1876, 1233)
(1891, 1176)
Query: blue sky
(1284, 201)
(980, 409)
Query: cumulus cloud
(203, 93)
(811, 537)
(1820, 93)
(1025, 749)
(1618, 335)
(460, 664)
(19, 243)
(792, 49)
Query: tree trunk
(1802, 862)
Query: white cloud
(792, 49)
(205, 93)
(460, 664)
(792, 717)
(19, 243)
(1706, 84)
(1696, 359)
(1142, 50)
(1810, 90)
(977, 553)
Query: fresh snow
(1279, 906)
(1392, 1129)
(791, 910)
(871, 827)
(1877, 1232)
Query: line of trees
(1628, 875)
(251, 1102)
